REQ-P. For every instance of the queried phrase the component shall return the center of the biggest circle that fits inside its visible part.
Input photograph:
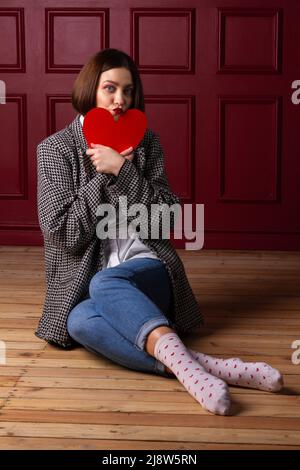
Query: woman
(124, 299)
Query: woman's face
(115, 90)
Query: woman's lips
(117, 111)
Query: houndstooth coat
(69, 192)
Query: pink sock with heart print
(245, 374)
(211, 392)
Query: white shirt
(118, 250)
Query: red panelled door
(218, 80)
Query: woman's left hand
(105, 159)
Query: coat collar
(81, 146)
(80, 141)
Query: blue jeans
(125, 303)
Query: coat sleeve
(152, 190)
(67, 217)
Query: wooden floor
(55, 399)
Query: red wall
(218, 87)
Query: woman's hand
(108, 160)
(128, 154)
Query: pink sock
(211, 392)
(245, 374)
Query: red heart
(99, 127)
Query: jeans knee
(75, 325)
(99, 281)
(96, 281)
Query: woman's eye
(128, 91)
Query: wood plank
(165, 433)
(8, 381)
(128, 383)
(189, 406)
(6, 310)
(10, 334)
(92, 362)
(176, 392)
(26, 345)
(225, 300)
(38, 443)
(19, 323)
(207, 421)
(32, 281)
(15, 371)
(264, 324)
(5, 392)
(33, 295)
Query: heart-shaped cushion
(99, 127)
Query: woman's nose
(119, 98)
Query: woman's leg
(234, 371)
(92, 331)
(120, 297)
(133, 297)
(210, 391)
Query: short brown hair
(86, 83)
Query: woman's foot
(234, 371)
(211, 392)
